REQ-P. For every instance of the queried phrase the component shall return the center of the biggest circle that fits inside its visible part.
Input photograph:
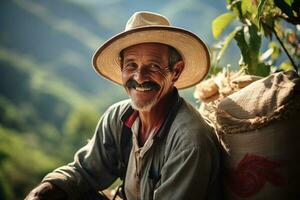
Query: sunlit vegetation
(267, 33)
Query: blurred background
(50, 96)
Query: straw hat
(148, 27)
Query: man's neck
(153, 119)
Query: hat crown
(140, 19)
(148, 27)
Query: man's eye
(130, 66)
(155, 67)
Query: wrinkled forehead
(155, 50)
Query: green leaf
(220, 23)
(226, 42)
(260, 8)
(276, 50)
(235, 7)
(268, 25)
(255, 38)
(289, 2)
(261, 69)
(249, 6)
(252, 37)
(249, 41)
(240, 39)
(286, 65)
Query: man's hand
(46, 191)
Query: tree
(256, 20)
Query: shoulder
(116, 110)
(189, 130)
(110, 124)
(112, 116)
(120, 106)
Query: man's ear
(177, 70)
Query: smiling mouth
(144, 87)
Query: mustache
(148, 84)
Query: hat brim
(192, 49)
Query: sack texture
(274, 97)
(260, 128)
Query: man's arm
(95, 166)
(192, 173)
(46, 191)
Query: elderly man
(156, 142)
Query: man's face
(145, 74)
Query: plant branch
(285, 50)
(292, 20)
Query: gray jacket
(182, 162)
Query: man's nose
(140, 75)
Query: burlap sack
(212, 91)
(259, 103)
(260, 128)
(264, 163)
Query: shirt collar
(130, 115)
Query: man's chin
(143, 107)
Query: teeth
(142, 89)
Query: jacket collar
(129, 115)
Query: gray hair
(174, 57)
